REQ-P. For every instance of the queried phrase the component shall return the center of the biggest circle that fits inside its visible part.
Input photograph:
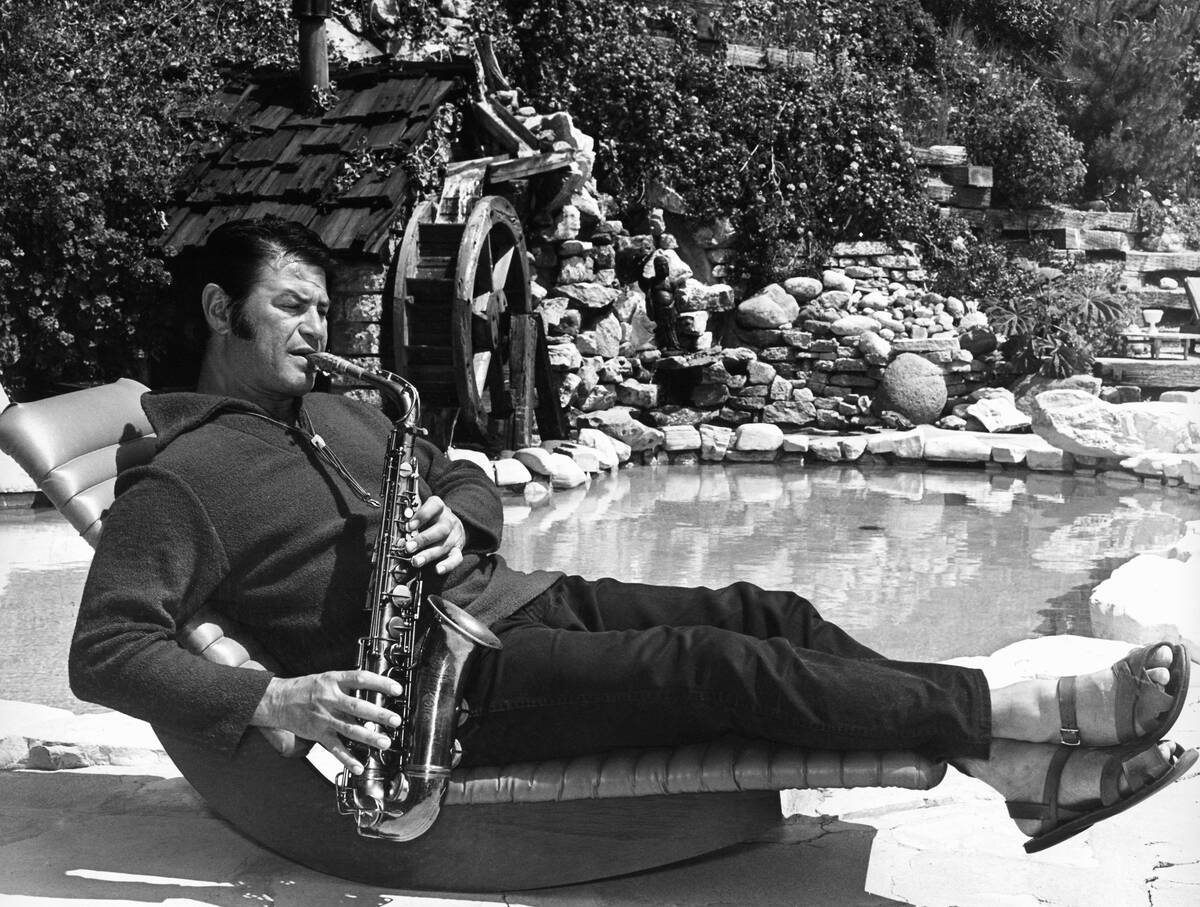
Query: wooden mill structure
(437, 290)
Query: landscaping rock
(1080, 423)
(1148, 599)
(999, 414)
(914, 387)
(803, 288)
(714, 442)
(604, 446)
(680, 437)
(837, 280)
(509, 471)
(1027, 389)
(757, 437)
(853, 325)
(761, 311)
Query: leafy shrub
(93, 97)
(1005, 119)
(1125, 80)
(1052, 325)
(801, 155)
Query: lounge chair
(509, 827)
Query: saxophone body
(423, 642)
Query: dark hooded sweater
(240, 513)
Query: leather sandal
(1132, 694)
(1143, 767)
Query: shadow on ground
(90, 837)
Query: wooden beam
(940, 156)
(506, 170)
(494, 76)
(968, 175)
(1056, 218)
(490, 122)
(1143, 262)
(1156, 373)
(963, 196)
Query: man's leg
(609, 604)
(575, 677)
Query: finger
(431, 535)
(361, 710)
(430, 510)
(366, 680)
(452, 559)
(356, 732)
(341, 753)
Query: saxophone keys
(397, 626)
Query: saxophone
(426, 650)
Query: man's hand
(440, 539)
(321, 706)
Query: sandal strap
(1068, 731)
(1140, 765)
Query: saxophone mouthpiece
(329, 363)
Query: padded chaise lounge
(525, 825)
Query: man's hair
(236, 253)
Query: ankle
(1022, 711)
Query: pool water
(917, 564)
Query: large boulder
(1148, 599)
(914, 387)
(1082, 424)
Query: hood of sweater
(178, 412)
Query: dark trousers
(589, 666)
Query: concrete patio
(128, 830)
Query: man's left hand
(440, 539)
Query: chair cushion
(721, 766)
(74, 445)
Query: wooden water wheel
(464, 331)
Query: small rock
(757, 437)
(803, 289)
(509, 471)
(681, 437)
(837, 280)
(714, 442)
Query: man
(258, 503)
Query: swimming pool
(918, 564)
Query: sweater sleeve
(159, 560)
(469, 493)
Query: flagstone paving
(134, 833)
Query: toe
(1160, 658)
(1161, 676)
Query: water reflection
(919, 564)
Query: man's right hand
(321, 707)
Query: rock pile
(859, 347)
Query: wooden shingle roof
(334, 170)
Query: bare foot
(1018, 770)
(1113, 705)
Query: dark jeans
(589, 666)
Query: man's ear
(216, 305)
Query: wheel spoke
(484, 265)
(480, 364)
(502, 255)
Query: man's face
(281, 320)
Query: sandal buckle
(1069, 736)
